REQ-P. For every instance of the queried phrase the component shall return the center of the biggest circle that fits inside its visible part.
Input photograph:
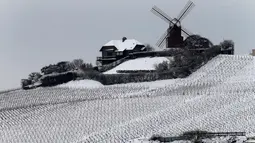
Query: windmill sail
(174, 34)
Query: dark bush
(193, 136)
(196, 42)
(181, 66)
(34, 77)
(50, 69)
(161, 67)
(63, 67)
(89, 74)
(58, 68)
(25, 83)
(109, 79)
(148, 47)
(55, 79)
(135, 71)
(212, 52)
(197, 135)
(226, 44)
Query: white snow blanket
(219, 97)
(147, 63)
(82, 84)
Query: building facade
(117, 49)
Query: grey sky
(35, 33)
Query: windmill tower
(173, 38)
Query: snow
(250, 141)
(128, 44)
(156, 84)
(219, 97)
(147, 63)
(82, 84)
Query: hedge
(109, 79)
(55, 79)
(135, 71)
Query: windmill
(173, 38)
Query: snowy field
(220, 96)
(82, 84)
(147, 63)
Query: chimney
(253, 52)
(124, 39)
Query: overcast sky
(36, 33)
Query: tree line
(184, 63)
(189, 60)
(54, 69)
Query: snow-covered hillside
(82, 84)
(147, 63)
(220, 96)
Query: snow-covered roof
(128, 44)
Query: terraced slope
(218, 97)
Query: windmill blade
(184, 12)
(183, 9)
(161, 40)
(186, 32)
(158, 12)
(185, 35)
(163, 44)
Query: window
(109, 53)
(119, 53)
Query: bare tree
(86, 66)
(77, 63)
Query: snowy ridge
(220, 96)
